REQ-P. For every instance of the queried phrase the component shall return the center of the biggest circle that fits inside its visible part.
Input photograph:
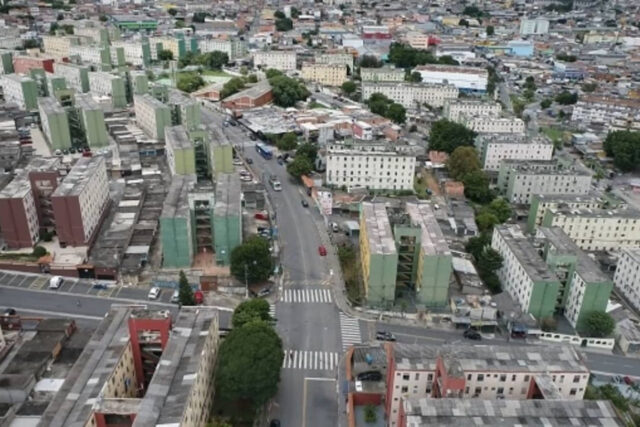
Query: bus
(264, 150)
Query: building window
(572, 392)
(576, 379)
(405, 389)
(405, 377)
(480, 377)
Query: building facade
(227, 221)
(486, 124)
(325, 74)
(534, 27)
(614, 113)
(55, 123)
(467, 79)
(92, 121)
(540, 203)
(109, 85)
(176, 224)
(494, 148)
(77, 76)
(152, 116)
(627, 276)
(454, 109)
(411, 95)
(345, 59)
(20, 90)
(383, 74)
(179, 150)
(234, 48)
(279, 60)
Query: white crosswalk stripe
(272, 311)
(310, 360)
(307, 295)
(350, 331)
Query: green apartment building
(139, 83)
(541, 203)
(180, 151)
(221, 152)
(134, 22)
(176, 224)
(55, 123)
(92, 121)
(77, 76)
(584, 288)
(227, 221)
(152, 116)
(6, 62)
(404, 252)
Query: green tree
(486, 220)
(233, 85)
(476, 187)
(463, 23)
(546, 103)
(446, 136)
(272, 72)
(529, 95)
(369, 61)
(254, 258)
(199, 17)
(501, 209)
(249, 364)
(396, 113)
(589, 87)
(165, 55)
(253, 310)
(103, 18)
(463, 160)
(370, 415)
(598, 324)
(287, 91)
(30, 43)
(287, 142)
(476, 244)
(308, 150)
(566, 98)
(172, 11)
(348, 87)
(189, 82)
(185, 293)
(530, 83)
(300, 166)
(214, 60)
(473, 11)
(414, 77)
(39, 251)
(624, 147)
(378, 103)
(490, 30)
(279, 14)
(284, 24)
(566, 58)
(490, 260)
(252, 78)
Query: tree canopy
(301, 165)
(254, 255)
(490, 30)
(413, 77)
(348, 87)
(284, 24)
(624, 147)
(286, 91)
(189, 82)
(447, 136)
(404, 56)
(287, 142)
(463, 160)
(256, 309)
(185, 293)
(165, 55)
(249, 364)
(566, 98)
(369, 61)
(211, 60)
(476, 187)
(308, 150)
(234, 85)
(598, 324)
(546, 103)
(380, 104)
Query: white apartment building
(382, 74)
(100, 83)
(468, 79)
(494, 148)
(410, 95)
(335, 59)
(77, 76)
(524, 274)
(520, 180)
(597, 229)
(373, 168)
(152, 116)
(10, 42)
(133, 52)
(482, 372)
(234, 48)
(58, 46)
(627, 276)
(537, 26)
(616, 113)
(325, 74)
(279, 60)
(87, 53)
(455, 108)
(486, 124)
(13, 89)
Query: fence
(595, 343)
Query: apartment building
(493, 148)
(540, 203)
(534, 27)
(58, 46)
(614, 113)
(137, 53)
(418, 40)
(55, 123)
(383, 74)
(122, 382)
(487, 124)
(519, 180)
(403, 250)
(627, 276)
(97, 34)
(176, 46)
(176, 224)
(482, 373)
(597, 229)
(411, 95)
(325, 74)
(372, 167)
(279, 60)
(584, 288)
(92, 121)
(22, 64)
(179, 150)
(80, 202)
(108, 85)
(20, 90)
(345, 59)
(234, 48)
(524, 275)
(6, 62)
(93, 54)
(152, 116)
(467, 79)
(227, 220)
(77, 76)
(455, 108)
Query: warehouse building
(467, 79)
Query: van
(55, 282)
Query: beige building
(58, 46)
(325, 74)
(277, 59)
(411, 95)
(454, 109)
(417, 40)
(152, 116)
(383, 74)
(335, 59)
(143, 366)
(168, 43)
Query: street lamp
(246, 279)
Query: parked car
(264, 292)
(305, 204)
(385, 336)
(617, 379)
(175, 297)
(263, 215)
(249, 160)
(628, 380)
(369, 376)
(472, 334)
(280, 161)
(55, 282)
(322, 250)
(252, 137)
(274, 423)
(99, 285)
(237, 161)
(10, 312)
(198, 296)
(154, 293)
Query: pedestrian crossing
(310, 360)
(350, 331)
(272, 311)
(306, 296)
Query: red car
(264, 215)
(322, 250)
(199, 297)
(628, 380)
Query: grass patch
(554, 134)
(19, 257)
(420, 185)
(216, 73)
(315, 104)
(350, 264)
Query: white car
(237, 162)
(154, 293)
(175, 298)
(55, 282)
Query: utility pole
(246, 281)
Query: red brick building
(256, 96)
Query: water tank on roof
(369, 359)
